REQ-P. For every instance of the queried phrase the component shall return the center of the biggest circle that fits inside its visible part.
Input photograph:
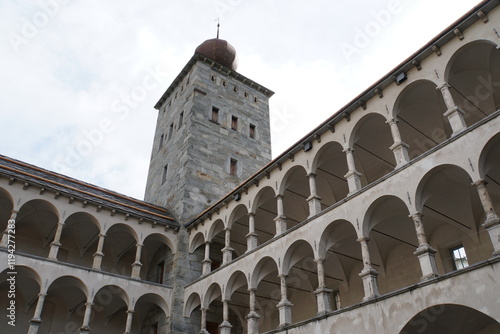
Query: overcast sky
(67, 64)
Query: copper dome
(220, 51)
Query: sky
(67, 65)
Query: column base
(369, 277)
(323, 300)
(225, 328)
(285, 310)
(253, 322)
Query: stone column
(322, 292)
(85, 329)
(225, 327)
(284, 306)
(280, 218)
(368, 274)
(136, 266)
(5, 235)
(54, 245)
(352, 176)
(128, 325)
(98, 255)
(425, 253)
(492, 221)
(207, 263)
(399, 148)
(203, 321)
(314, 200)
(454, 114)
(37, 320)
(252, 317)
(252, 237)
(227, 251)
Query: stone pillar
(85, 329)
(37, 320)
(492, 221)
(314, 200)
(454, 114)
(98, 255)
(225, 327)
(5, 235)
(368, 274)
(399, 148)
(280, 218)
(128, 324)
(425, 253)
(54, 245)
(203, 321)
(252, 317)
(207, 263)
(136, 266)
(322, 292)
(352, 176)
(284, 306)
(252, 237)
(227, 251)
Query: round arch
(6, 207)
(265, 210)
(295, 190)
(192, 302)
(119, 249)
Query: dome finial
(218, 26)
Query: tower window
(161, 140)
(215, 115)
(251, 131)
(233, 166)
(235, 89)
(181, 119)
(171, 131)
(459, 257)
(164, 175)
(255, 99)
(234, 123)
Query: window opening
(165, 172)
(215, 114)
(234, 123)
(233, 167)
(459, 257)
(251, 132)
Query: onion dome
(220, 51)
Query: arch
(330, 167)
(473, 73)
(295, 190)
(215, 228)
(192, 302)
(264, 207)
(237, 280)
(6, 206)
(151, 312)
(213, 292)
(450, 318)
(419, 110)
(197, 241)
(157, 258)
(489, 169)
(120, 245)
(36, 226)
(265, 280)
(371, 140)
(265, 266)
(238, 223)
(295, 253)
(79, 239)
(110, 310)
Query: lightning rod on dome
(218, 26)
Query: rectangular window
(459, 257)
(251, 131)
(181, 119)
(215, 115)
(233, 167)
(234, 123)
(159, 272)
(161, 140)
(165, 172)
(171, 131)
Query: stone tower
(212, 132)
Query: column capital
(311, 174)
(319, 259)
(89, 304)
(130, 311)
(227, 228)
(415, 215)
(251, 214)
(279, 196)
(348, 150)
(392, 121)
(480, 182)
(363, 239)
(444, 85)
(103, 235)
(139, 245)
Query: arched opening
(265, 212)
(109, 312)
(451, 318)
(26, 287)
(36, 226)
(371, 141)
(474, 76)
(238, 298)
(119, 249)
(489, 169)
(157, 259)
(342, 262)
(79, 239)
(330, 166)
(452, 216)
(295, 190)
(64, 306)
(268, 293)
(197, 255)
(213, 303)
(419, 110)
(238, 223)
(6, 206)
(151, 315)
(302, 280)
(392, 234)
(216, 236)
(192, 312)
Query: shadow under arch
(451, 318)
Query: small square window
(251, 131)
(233, 167)
(459, 257)
(234, 123)
(215, 115)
